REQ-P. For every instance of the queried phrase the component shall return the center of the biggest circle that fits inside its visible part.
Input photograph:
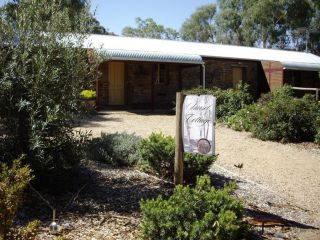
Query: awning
(301, 66)
(128, 55)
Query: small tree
(43, 68)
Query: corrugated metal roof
(124, 54)
(290, 59)
(301, 66)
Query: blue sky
(116, 14)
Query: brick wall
(138, 84)
(219, 73)
(143, 91)
(102, 99)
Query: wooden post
(178, 158)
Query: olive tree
(43, 68)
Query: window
(161, 73)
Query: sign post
(178, 157)
(195, 121)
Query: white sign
(198, 120)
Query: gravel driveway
(291, 171)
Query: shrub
(157, 156)
(228, 101)
(317, 137)
(117, 149)
(244, 118)
(13, 181)
(194, 213)
(279, 116)
(29, 231)
(41, 78)
(286, 119)
(88, 94)
(196, 164)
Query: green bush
(228, 101)
(88, 94)
(286, 119)
(196, 165)
(194, 213)
(244, 118)
(13, 181)
(117, 149)
(157, 156)
(41, 80)
(278, 116)
(317, 137)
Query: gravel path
(290, 170)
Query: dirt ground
(290, 170)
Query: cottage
(146, 73)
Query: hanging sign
(198, 120)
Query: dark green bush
(196, 165)
(157, 156)
(13, 181)
(278, 116)
(194, 213)
(228, 101)
(117, 149)
(286, 119)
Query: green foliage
(29, 232)
(13, 181)
(41, 76)
(148, 28)
(274, 23)
(157, 152)
(195, 213)
(157, 156)
(229, 29)
(74, 9)
(200, 26)
(317, 137)
(278, 116)
(287, 119)
(195, 165)
(88, 94)
(244, 118)
(117, 149)
(228, 101)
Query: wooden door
(116, 83)
(237, 76)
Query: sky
(116, 14)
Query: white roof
(289, 59)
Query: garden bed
(107, 207)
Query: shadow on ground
(100, 188)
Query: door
(116, 83)
(237, 76)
